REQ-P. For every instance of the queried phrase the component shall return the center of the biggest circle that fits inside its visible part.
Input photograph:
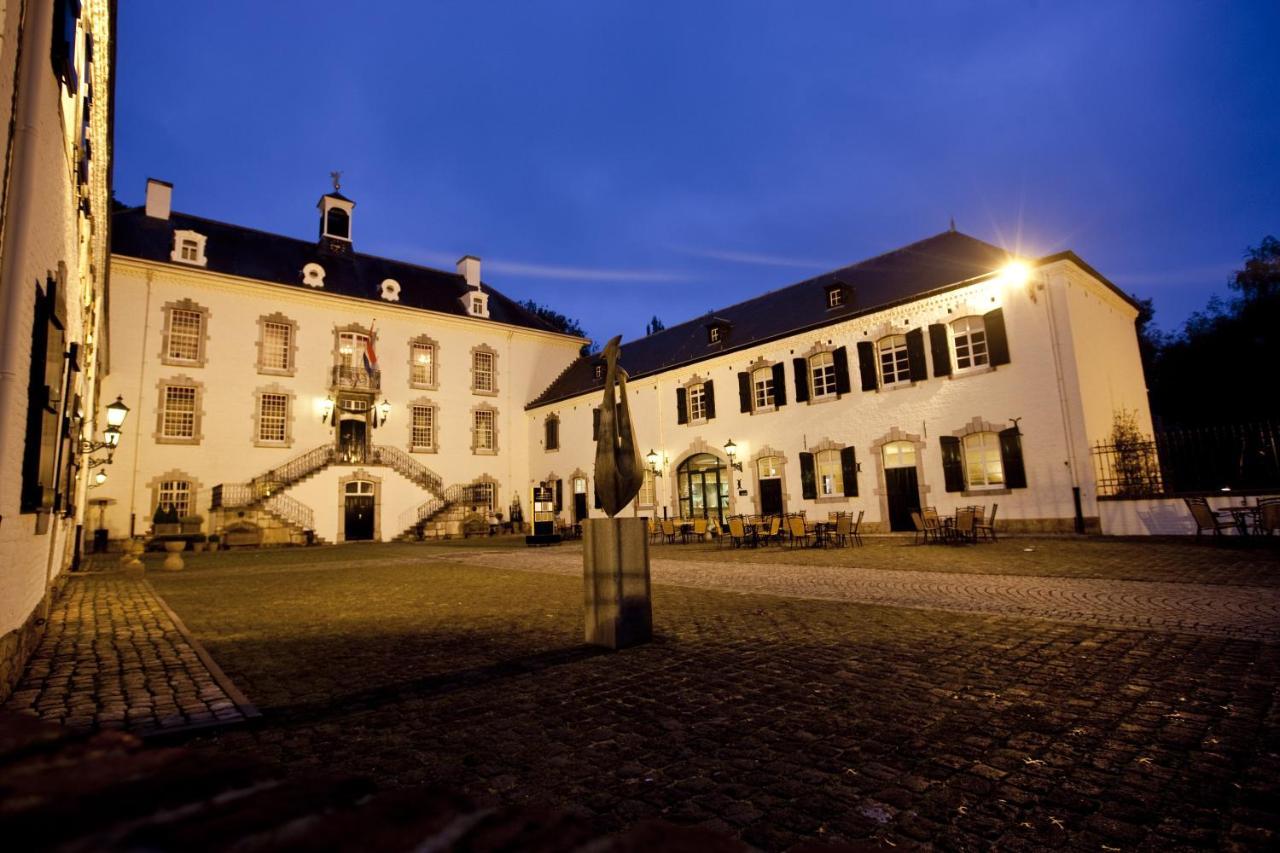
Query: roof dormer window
(714, 334)
(188, 248)
(838, 294)
(718, 330)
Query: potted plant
(192, 523)
(165, 521)
(197, 541)
(213, 542)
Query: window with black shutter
(1015, 473)
(849, 471)
(841, 358)
(682, 406)
(940, 349)
(559, 495)
(952, 463)
(66, 15)
(595, 423)
(997, 340)
(801, 370)
(595, 493)
(744, 392)
(808, 477)
(779, 385)
(44, 399)
(709, 389)
(915, 355)
(867, 365)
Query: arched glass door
(704, 487)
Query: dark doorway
(359, 523)
(771, 497)
(579, 506)
(904, 496)
(351, 440)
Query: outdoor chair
(1268, 516)
(922, 532)
(700, 529)
(669, 530)
(737, 531)
(774, 533)
(1206, 519)
(965, 528)
(987, 527)
(654, 530)
(844, 528)
(799, 533)
(933, 525)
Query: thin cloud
(553, 271)
(758, 259)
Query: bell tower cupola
(335, 218)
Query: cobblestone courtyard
(770, 715)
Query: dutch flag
(370, 357)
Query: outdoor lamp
(652, 459)
(326, 408)
(730, 450)
(116, 413)
(100, 478)
(383, 408)
(111, 436)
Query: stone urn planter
(173, 562)
(133, 566)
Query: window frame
(479, 353)
(820, 474)
(433, 427)
(901, 360)
(477, 415)
(697, 397)
(290, 347)
(261, 419)
(989, 450)
(164, 413)
(178, 254)
(432, 382)
(550, 429)
(828, 373)
(764, 396)
(200, 335)
(970, 345)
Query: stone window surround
(886, 328)
(354, 328)
(699, 445)
(486, 477)
(817, 349)
(202, 357)
(579, 474)
(360, 474)
(956, 370)
(764, 453)
(881, 490)
(477, 451)
(688, 386)
(761, 363)
(434, 385)
(153, 485)
(977, 424)
(293, 344)
(273, 388)
(553, 416)
(179, 235)
(435, 425)
(821, 446)
(492, 392)
(183, 381)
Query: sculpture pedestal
(615, 557)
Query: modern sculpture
(616, 550)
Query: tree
(655, 326)
(560, 322)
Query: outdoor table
(686, 530)
(750, 534)
(820, 537)
(1247, 518)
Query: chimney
(469, 269)
(159, 198)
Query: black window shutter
(915, 355)
(559, 495)
(1015, 473)
(553, 434)
(808, 477)
(867, 364)
(940, 349)
(779, 385)
(952, 463)
(744, 392)
(802, 379)
(595, 423)
(595, 493)
(997, 340)
(849, 471)
(682, 406)
(709, 388)
(841, 359)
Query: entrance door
(901, 484)
(351, 440)
(771, 497)
(579, 498)
(358, 509)
(704, 488)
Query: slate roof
(931, 264)
(249, 253)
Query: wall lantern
(383, 408)
(116, 413)
(730, 450)
(99, 478)
(326, 409)
(652, 459)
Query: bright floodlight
(1015, 273)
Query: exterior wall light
(652, 458)
(731, 450)
(326, 409)
(116, 413)
(383, 408)
(99, 478)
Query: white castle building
(300, 385)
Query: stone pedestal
(615, 556)
(173, 562)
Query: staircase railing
(409, 468)
(291, 510)
(459, 494)
(294, 470)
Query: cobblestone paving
(1219, 610)
(777, 719)
(113, 656)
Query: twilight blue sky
(616, 160)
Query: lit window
(900, 454)
(762, 385)
(273, 418)
(424, 428)
(830, 474)
(484, 429)
(648, 491)
(769, 467)
(178, 412)
(698, 403)
(177, 494)
(276, 345)
(822, 367)
(351, 348)
(185, 331)
(895, 366)
(424, 365)
(482, 371)
(835, 297)
(970, 337)
(982, 463)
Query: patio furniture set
(840, 529)
(969, 525)
(1261, 519)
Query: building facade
(56, 76)
(294, 388)
(945, 373)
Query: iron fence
(1239, 457)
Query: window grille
(424, 364)
(484, 426)
(175, 493)
(895, 365)
(185, 328)
(178, 418)
(276, 340)
(823, 369)
(762, 381)
(970, 336)
(698, 403)
(482, 371)
(982, 464)
(273, 417)
(424, 427)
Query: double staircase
(442, 516)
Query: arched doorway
(358, 510)
(902, 487)
(703, 487)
